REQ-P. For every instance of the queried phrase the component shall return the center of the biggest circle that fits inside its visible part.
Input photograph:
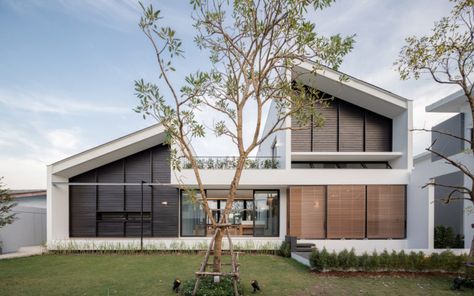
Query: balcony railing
(230, 162)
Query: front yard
(154, 274)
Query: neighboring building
(339, 186)
(457, 214)
(29, 229)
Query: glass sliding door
(193, 217)
(266, 213)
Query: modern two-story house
(428, 167)
(341, 185)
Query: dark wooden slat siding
(325, 137)
(110, 198)
(83, 207)
(351, 128)
(165, 210)
(161, 166)
(378, 133)
(301, 138)
(165, 216)
(113, 199)
(137, 169)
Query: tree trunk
(218, 250)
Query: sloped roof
(451, 103)
(352, 90)
(109, 152)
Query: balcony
(230, 162)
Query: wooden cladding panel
(294, 211)
(386, 211)
(110, 198)
(137, 169)
(307, 211)
(346, 211)
(300, 138)
(378, 133)
(161, 166)
(351, 128)
(325, 137)
(347, 128)
(117, 199)
(165, 211)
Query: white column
(431, 208)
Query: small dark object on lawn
(176, 284)
(457, 282)
(255, 286)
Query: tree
(252, 46)
(447, 56)
(6, 204)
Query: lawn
(154, 274)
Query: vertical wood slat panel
(110, 198)
(313, 208)
(351, 128)
(165, 211)
(301, 138)
(378, 133)
(137, 169)
(307, 211)
(346, 211)
(83, 211)
(386, 211)
(82, 207)
(325, 137)
(295, 200)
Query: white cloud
(39, 102)
(63, 139)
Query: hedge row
(322, 260)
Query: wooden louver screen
(386, 211)
(346, 211)
(307, 209)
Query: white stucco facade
(426, 169)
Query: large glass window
(251, 214)
(193, 218)
(266, 213)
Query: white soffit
(452, 103)
(345, 156)
(109, 152)
(353, 90)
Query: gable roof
(355, 91)
(452, 103)
(109, 152)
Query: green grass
(154, 274)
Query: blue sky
(67, 70)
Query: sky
(67, 71)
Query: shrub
(374, 261)
(319, 259)
(384, 260)
(332, 260)
(285, 249)
(352, 259)
(345, 260)
(208, 288)
(417, 261)
(444, 238)
(364, 262)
